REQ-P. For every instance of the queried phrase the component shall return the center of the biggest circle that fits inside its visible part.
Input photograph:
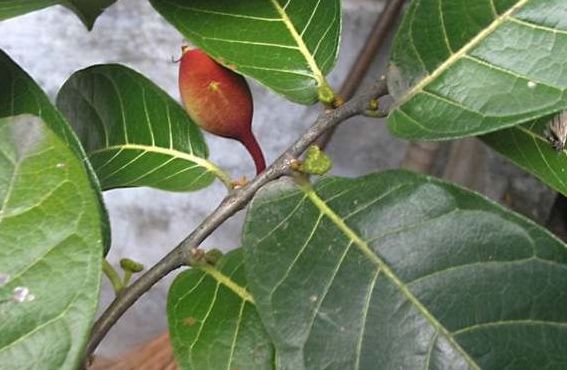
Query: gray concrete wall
(146, 223)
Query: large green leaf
(463, 68)
(400, 271)
(87, 10)
(287, 45)
(527, 146)
(133, 132)
(19, 94)
(50, 243)
(213, 322)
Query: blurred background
(51, 44)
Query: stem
(183, 253)
(251, 144)
(221, 175)
(112, 276)
(127, 277)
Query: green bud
(326, 94)
(131, 266)
(316, 162)
(374, 104)
(213, 256)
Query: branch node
(197, 255)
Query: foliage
(478, 68)
(448, 275)
(21, 95)
(51, 245)
(134, 134)
(214, 324)
(288, 46)
(388, 270)
(86, 10)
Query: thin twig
(366, 56)
(184, 253)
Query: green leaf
(400, 271)
(134, 133)
(86, 10)
(213, 322)
(461, 68)
(527, 146)
(288, 46)
(19, 94)
(50, 243)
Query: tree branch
(184, 253)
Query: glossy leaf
(400, 271)
(50, 244)
(133, 132)
(461, 68)
(213, 322)
(288, 46)
(86, 10)
(527, 146)
(19, 94)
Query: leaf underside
(86, 10)
(400, 271)
(212, 327)
(461, 68)
(19, 94)
(528, 147)
(288, 46)
(133, 132)
(50, 243)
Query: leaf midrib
(221, 279)
(384, 267)
(202, 162)
(226, 281)
(461, 52)
(303, 49)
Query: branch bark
(184, 252)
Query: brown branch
(420, 156)
(184, 253)
(366, 56)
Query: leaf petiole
(220, 174)
(112, 276)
